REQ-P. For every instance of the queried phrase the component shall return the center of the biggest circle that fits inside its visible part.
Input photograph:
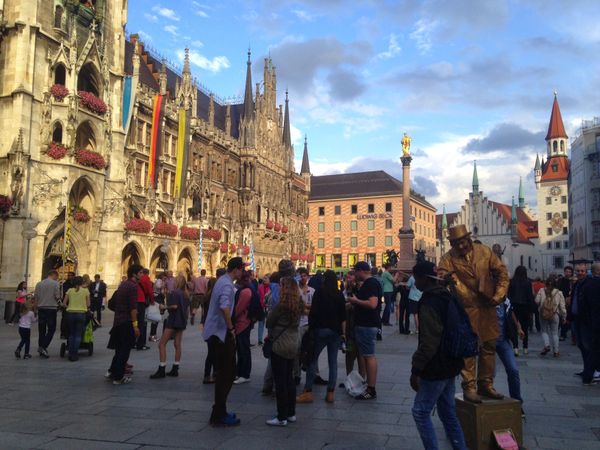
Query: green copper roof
(475, 178)
(521, 193)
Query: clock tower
(552, 196)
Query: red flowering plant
(223, 247)
(192, 234)
(5, 205)
(270, 224)
(81, 215)
(138, 225)
(90, 158)
(217, 235)
(277, 227)
(92, 103)
(245, 249)
(59, 92)
(165, 229)
(232, 248)
(310, 258)
(294, 257)
(56, 150)
(284, 229)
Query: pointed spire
(305, 165)
(248, 100)
(513, 212)
(475, 178)
(537, 163)
(186, 61)
(444, 218)
(521, 193)
(287, 137)
(556, 128)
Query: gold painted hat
(458, 232)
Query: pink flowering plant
(192, 234)
(81, 215)
(138, 225)
(92, 103)
(56, 150)
(277, 227)
(59, 92)
(165, 229)
(90, 158)
(5, 205)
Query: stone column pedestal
(406, 255)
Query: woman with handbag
(159, 299)
(327, 322)
(551, 304)
(178, 305)
(282, 344)
(520, 294)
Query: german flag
(155, 141)
(183, 150)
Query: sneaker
(522, 414)
(590, 383)
(292, 419)
(241, 380)
(145, 347)
(27, 356)
(305, 397)
(230, 420)
(18, 354)
(578, 374)
(108, 375)
(260, 343)
(124, 380)
(545, 351)
(275, 422)
(367, 395)
(44, 353)
(556, 354)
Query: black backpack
(256, 312)
(458, 340)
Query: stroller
(87, 339)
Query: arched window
(85, 137)
(58, 15)
(57, 133)
(554, 147)
(60, 74)
(89, 79)
(562, 146)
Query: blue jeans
(76, 326)
(389, 307)
(324, 337)
(504, 350)
(46, 326)
(261, 330)
(440, 393)
(244, 357)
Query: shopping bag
(153, 313)
(88, 334)
(355, 384)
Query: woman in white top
(551, 305)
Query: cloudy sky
(468, 80)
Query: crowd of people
(304, 315)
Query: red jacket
(145, 289)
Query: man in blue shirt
(219, 332)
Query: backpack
(548, 310)
(112, 302)
(458, 340)
(256, 312)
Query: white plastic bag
(355, 384)
(153, 313)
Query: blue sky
(467, 79)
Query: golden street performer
(480, 281)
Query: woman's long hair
(289, 297)
(551, 283)
(21, 286)
(520, 274)
(330, 284)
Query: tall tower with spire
(551, 184)
(305, 169)
(247, 123)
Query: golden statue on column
(406, 145)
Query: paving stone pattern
(57, 404)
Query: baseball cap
(362, 265)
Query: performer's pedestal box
(479, 420)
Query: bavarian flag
(156, 139)
(183, 150)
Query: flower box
(92, 103)
(59, 92)
(56, 150)
(310, 258)
(232, 248)
(192, 234)
(139, 226)
(245, 250)
(223, 247)
(294, 257)
(5, 205)
(90, 158)
(81, 215)
(211, 234)
(270, 224)
(165, 229)
(284, 229)
(277, 227)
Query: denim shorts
(365, 340)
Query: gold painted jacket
(480, 283)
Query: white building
(584, 192)
(552, 196)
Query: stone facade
(63, 142)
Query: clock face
(555, 190)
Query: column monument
(406, 255)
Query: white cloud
(303, 15)
(202, 14)
(422, 34)
(214, 65)
(166, 12)
(171, 29)
(297, 137)
(393, 48)
(150, 17)
(198, 44)
(145, 37)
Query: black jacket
(429, 362)
(101, 289)
(588, 304)
(520, 294)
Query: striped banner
(252, 261)
(129, 88)
(200, 252)
(67, 234)
(157, 118)
(183, 150)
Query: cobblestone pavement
(57, 404)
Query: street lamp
(29, 232)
